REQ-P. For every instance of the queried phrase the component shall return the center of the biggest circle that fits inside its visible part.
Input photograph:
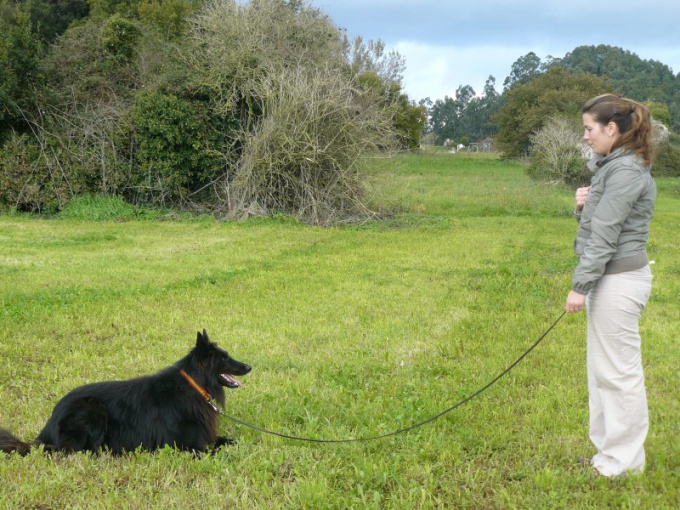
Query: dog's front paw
(224, 441)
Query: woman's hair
(632, 118)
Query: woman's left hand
(575, 302)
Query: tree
(409, 119)
(51, 18)
(21, 76)
(523, 70)
(466, 114)
(48, 18)
(630, 76)
(371, 56)
(527, 106)
(667, 159)
(659, 112)
(477, 116)
(168, 17)
(443, 119)
(381, 72)
(490, 93)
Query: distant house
(487, 145)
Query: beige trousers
(619, 418)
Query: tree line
(559, 84)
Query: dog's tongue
(232, 379)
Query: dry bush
(304, 157)
(235, 45)
(558, 154)
(305, 122)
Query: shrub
(659, 112)
(218, 124)
(667, 160)
(236, 44)
(304, 158)
(29, 180)
(408, 119)
(305, 123)
(179, 148)
(557, 154)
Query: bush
(29, 180)
(179, 148)
(305, 122)
(235, 44)
(304, 158)
(557, 154)
(68, 152)
(667, 160)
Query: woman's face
(599, 137)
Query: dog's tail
(10, 443)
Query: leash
(208, 399)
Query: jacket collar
(598, 161)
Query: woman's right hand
(575, 302)
(580, 197)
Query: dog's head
(217, 363)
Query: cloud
(448, 44)
(516, 22)
(437, 71)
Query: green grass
(352, 332)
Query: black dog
(172, 407)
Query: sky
(448, 43)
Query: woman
(613, 279)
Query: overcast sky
(452, 43)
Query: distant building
(487, 145)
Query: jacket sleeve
(621, 190)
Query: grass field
(352, 331)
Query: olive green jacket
(614, 223)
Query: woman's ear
(612, 129)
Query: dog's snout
(246, 368)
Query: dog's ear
(202, 338)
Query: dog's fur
(148, 412)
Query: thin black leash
(400, 431)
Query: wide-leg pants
(619, 418)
